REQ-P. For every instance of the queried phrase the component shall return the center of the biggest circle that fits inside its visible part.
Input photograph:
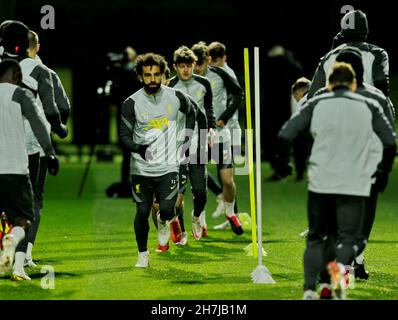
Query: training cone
(262, 275)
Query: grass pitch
(90, 243)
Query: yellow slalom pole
(250, 151)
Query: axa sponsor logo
(158, 124)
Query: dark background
(86, 30)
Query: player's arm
(208, 103)
(126, 133)
(318, 80)
(188, 109)
(380, 71)
(200, 115)
(30, 111)
(46, 94)
(61, 99)
(386, 134)
(234, 92)
(391, 108)
(388, 109)
(385, 102)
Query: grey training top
(17, 104)
(342, 124)
(61, 99)
(375, 65)
(227, 95)
(152, 120)
(199, 90)
(37, 78)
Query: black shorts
(16, 196)
(183, 178)
(335, 214)
(197, 173)
(164, 187)
(221, 154)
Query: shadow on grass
(383, 241)
(127, 247)
(31, 290)
(39, 275)
(91, 257)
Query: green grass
(91, 245)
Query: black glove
(52, 165)
(381, 180)
(62, 132)
(284, 171)
(144, 153)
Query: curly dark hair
(150, 59)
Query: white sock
(229, 208)
(359, 259)
(19, 262)
(202, 219)
(18, 233)
(29, 251)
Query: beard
(152, 87)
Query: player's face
(298, 94)
(200, 69)
(184, 70)
(151, 78)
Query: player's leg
(38, 190)
(225, 167)
(155, 211)
(212, 184)
(221, 154)
(166, 193)
(329, 254)
(198, 177)
(177, 225)
(17, 201)
(142, 192)
(216, 188)
(369, 217)
(320, 210)
(350, 211)
(20, 254)
(236, 151)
